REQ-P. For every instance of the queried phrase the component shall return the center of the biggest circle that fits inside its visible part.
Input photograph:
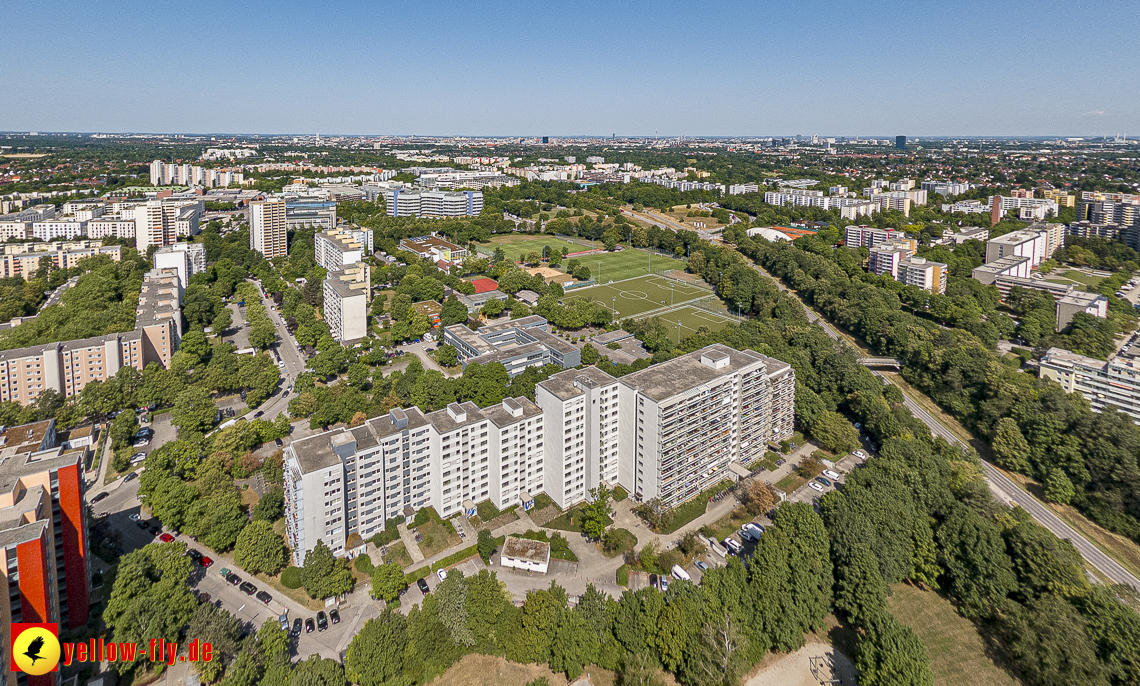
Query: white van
(679, 573)
(834, 476)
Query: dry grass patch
(957, 652)
(485, 670)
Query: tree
(573, 646)
(493, 308)
(975, 559)
(859, 589)
(324, 576)
(223, 320)
(123, 429)
(890, 654)
(318, 671)
(387, 581)
(453, 312)
(756, 497)
(272, 639)
(637, 670)
(271, 506)
(835, 432)
(595, 515)
(1058, 488)
(1010, 446)
(720, 655)
(447, 356)
(376, 655)
(219, 628)
(1050, 642)
(194, 411)
(259, 549)
(451, 595)
(486, 545)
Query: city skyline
(596, 70)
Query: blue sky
(574, 68)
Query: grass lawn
(727, 525)
(518, 245)
(957, 653)
(694, 507)
(438, 536)
(623, 575)
(620, 494)
(487, 511)
(543, 501)
(487, 670)
(1082, 278)
(688, 319)
(296, 594)
(249, 498)
(790, 483)
(627, 541)
(635, 296)
(398, 553)
(571, 520)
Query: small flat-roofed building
(1078, 301)
(529, 556)
(516, 343)
(434, 248)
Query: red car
(206, 562)
(166, 538)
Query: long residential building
(923, 273)
(869, 236)
(23, 259)
(347, 292)
(1115, 382)
(67, 366)
(43, 535)
(667, 432)
(419, 203)
(336, 248)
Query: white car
(815, 486)
(134, 518)
(442, 574)
(834, 476)
(860, 454)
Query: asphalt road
(290, 354)
(1044, 516)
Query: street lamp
(614, 308)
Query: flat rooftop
(562, 385)
(316, 453)
(524, 549)
(681, 374)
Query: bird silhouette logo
(35, 648)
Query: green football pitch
(519, 246)
(636, 296)
(617, 266)
(686, 320)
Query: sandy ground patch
(549, 274)
(795, 669)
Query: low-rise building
(516, 344)
(524, 554)
(476, 301)
(434, 248)
(1019, 266)
(1076, 302)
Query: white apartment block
(869, 236)
(1075, 302)
(346, 302)
(669, 432)
(268, 233)
(415, 203)
(161, 222)
(1016, 203)
(15, 229)
(945, 188)
(337, 248)
(162, 174)
(923, 273)
(849, 207)
(683, 422)
(1112, 383)
(111, 226)
(1037, 242)
(966, 207)
(60, 228)
(1012, 266)
(742, 188)
(581, 408)
(885, 258)
(963, 234)
(187, 259)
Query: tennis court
(632, 297)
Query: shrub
(363, 564)
(291, 578)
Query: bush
(363, 564)
(291, 578)
(122, 461)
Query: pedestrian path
(409, 540)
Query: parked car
(296, 627)
(142, 525)
(653, 581)
(130, 477)
(140, 443)
(206, 562)
(257, 414)
(224, 572)
(101, 497)
(138, 457)
(193, 554)
(234, 579)
(264, 597)
(334, 615)
(442, 574)
(309, 625)
(664, 584)
(247, 588)
(833, 475)
(823, 480)
(701, 566)
(680, 573)
(780, 462)
(422, 585)
(815, 487)
(203, 597)
(134, 517)
(860, 454)
(166, 538)
(322, 621)
(277, 442)
(284, 620)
